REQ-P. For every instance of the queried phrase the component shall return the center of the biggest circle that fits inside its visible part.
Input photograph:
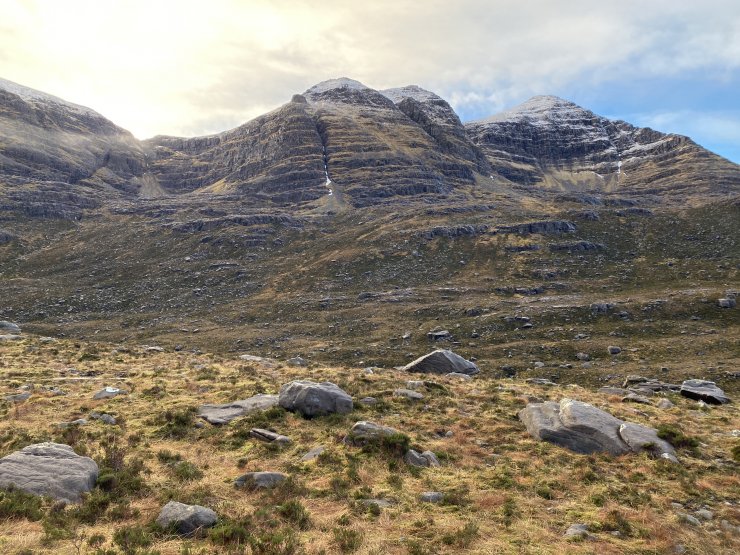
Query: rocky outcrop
(546, 227)
(442, 361)
(586, 429)
(311, 399)
(49, 469)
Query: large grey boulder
(186, 519)
(9, 327)
(586, 429)
(364, 433)
(260, 480)
(442, 361)
(314, 399)
(49, 469)
(223, 414)
(703, 390)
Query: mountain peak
(333, 84)
(397, 94)
(542, 108)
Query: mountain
(550, 143)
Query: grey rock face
(223, 414)
(260, 480)
(9, 328)
(442, 361)
(314, 399)
(187, 520)
(583, 428)
(49, 469)
(109, 392)
(703, 390)
(363, 433)
(545, 227)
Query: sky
(194, 67)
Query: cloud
(190, 67)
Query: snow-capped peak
(538, 109)
(332, 84)
(32, 95)
(409, 91)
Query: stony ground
(503, 491)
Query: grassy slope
(506, 493)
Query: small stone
(260, 480)
(105, 418)
(689, 519)
(614, 350)
(297, 361)
(368, 401)
(186, 520)
(583, 356)
(408, 394)
(665, 404)
(18, 397)
(578, 531)
(431, 497)
(704, 514)
(269, 436)
(459, 376)
(425, 459)
(313, 454)
(727, 303)
(634, 398)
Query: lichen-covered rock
(442, 361)
(186, 520)
(310, 398)
(49, 469)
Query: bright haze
(192, 67)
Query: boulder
(260, 480)
(105, 418)
(262, 361)
(223, 414)
(431, 497)
(578, 532)
(614, 350)
(439, 335)
(9, 328)
(187, 520)
(442, 361)
(297, 361)
(363, 433)
(314, 399)
(10, 337)
(632, 397)
(703, 390)
(586, 429)
(425, 459)
(727, 303)
(49, 469)
(18, 397)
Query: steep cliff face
(374, 150)
(551, 143)
(45, 138)
(276, 158)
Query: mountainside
(554, 144)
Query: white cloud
(193, 67)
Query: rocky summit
(358, 324)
